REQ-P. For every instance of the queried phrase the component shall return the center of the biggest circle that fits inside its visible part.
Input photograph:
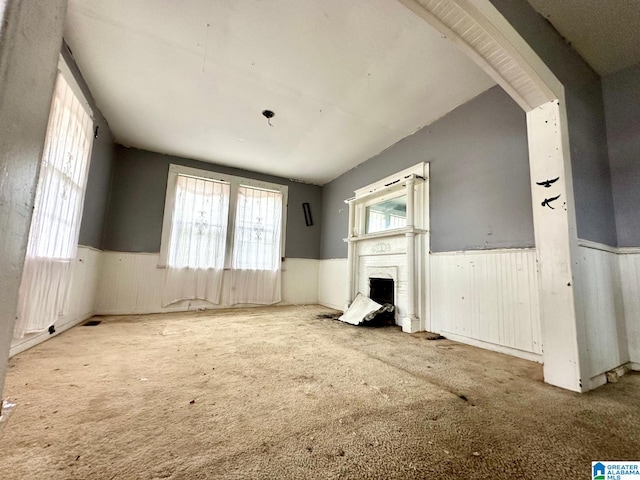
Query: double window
(216, 221)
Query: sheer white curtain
(55, 225)
(195, 262)
(255, 264)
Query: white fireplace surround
(391, 273)
(400, 254)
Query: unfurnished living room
(374, 239)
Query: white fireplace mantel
(397, 250)
(388, 233)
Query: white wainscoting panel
(489, 298)
(300, 281)
(630, 284)
(133, 283)
(603, 310)
(332, 283)
(80, 301)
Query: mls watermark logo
(615, 470)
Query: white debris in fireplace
(362, 310)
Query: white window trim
(64, 69)
(234, 182)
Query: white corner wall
(630, 282)
(488, 298)
(603, 313)
(132, 283)
(332, 283)
(83, 288)
(300, 281)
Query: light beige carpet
(277, 393)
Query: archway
(479, 30)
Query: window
(256, 240)
(57, 211)
(199, 224)
(214, 222)
(253, 219)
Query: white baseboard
(32, 341)
(533, 357)
(198, 307)
(601, 379)
(332, 306)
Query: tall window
(214, 221)
(257, 231)
(199, 227)
(55, 224)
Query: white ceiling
(606, 33)
(346, 79)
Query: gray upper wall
(622, 106)
(99, 177)
(587, 127)
(480, 194)
(136, 206)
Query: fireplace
(388, 235)
(381, 290)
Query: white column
(351, 253)
(563, 331)
(410, 322)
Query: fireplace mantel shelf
(387, 233)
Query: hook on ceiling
(268, 114)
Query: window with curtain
(216, 221)
(257, 230)
(198, 238)
(57, 212)
(255, 268)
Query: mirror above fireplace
(387, 215)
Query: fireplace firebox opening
(381, 290)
